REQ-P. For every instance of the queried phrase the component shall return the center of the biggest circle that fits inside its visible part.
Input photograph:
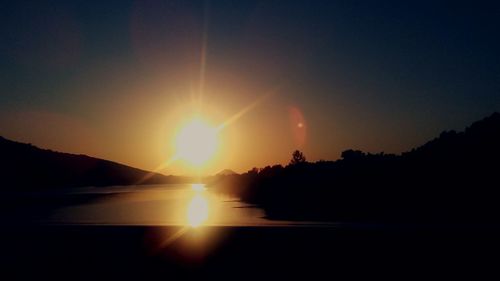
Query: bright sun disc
(196, 142)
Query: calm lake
(170, 205)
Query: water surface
(169, 204)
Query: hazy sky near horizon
(117, 79)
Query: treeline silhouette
(454, 177)
(24, 166)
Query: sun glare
(197, 186)
(196, 142)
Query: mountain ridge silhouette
(27, 166)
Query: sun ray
(157, 169)
(246, 109)
(172, 238)
(203, 55)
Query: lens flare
(298, 126)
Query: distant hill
(226, 172)
(29, 167)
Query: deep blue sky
(374, 75)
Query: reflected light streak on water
(198, 207)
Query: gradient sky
(116, 80)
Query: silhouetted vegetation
(451, 178)
(297, 158)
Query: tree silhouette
(352, 155)
(297, 158)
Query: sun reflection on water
(198, 186)
(198, 207)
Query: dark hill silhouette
(25, 166)
(451, 178)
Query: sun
(196, 142)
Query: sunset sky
(119, 80)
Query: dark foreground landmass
(257, 253)
(453, 178)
